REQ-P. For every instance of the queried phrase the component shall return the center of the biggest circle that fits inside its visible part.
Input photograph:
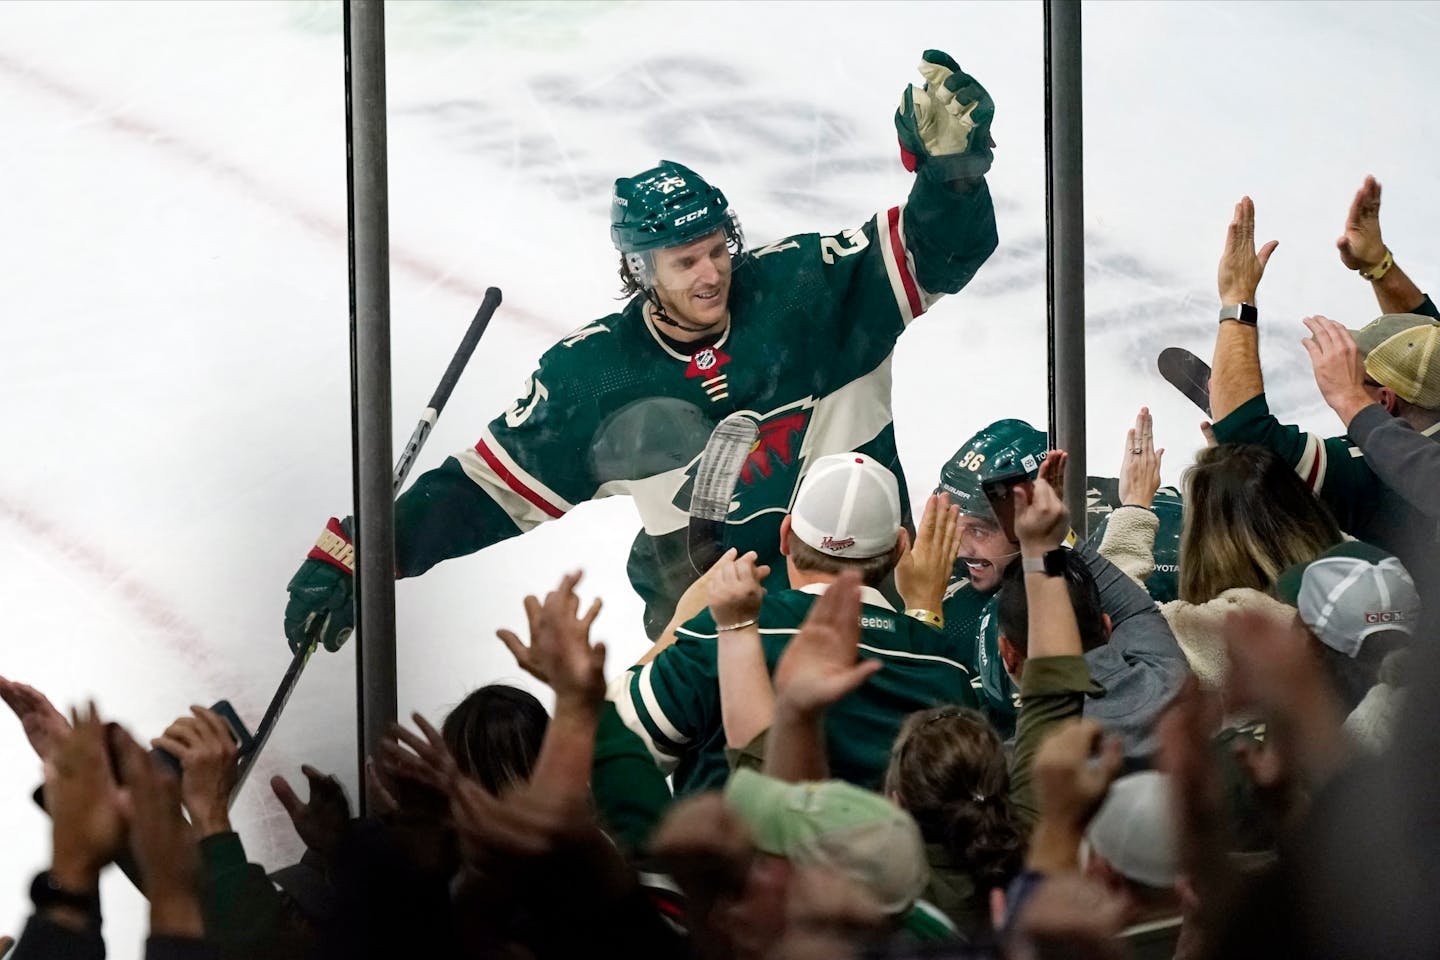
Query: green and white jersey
(673, 702)
(614, 408)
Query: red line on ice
(185, 637)
(150, 134)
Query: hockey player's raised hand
(944, 126)
(322, 592)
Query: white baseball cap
(848, 506)
(1349, 592)
(1134, 830)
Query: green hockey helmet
(1006, 448)
(667, 206)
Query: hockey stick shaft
(407, 459)
(441, 396)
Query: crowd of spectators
(1032, 755)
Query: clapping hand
(1073, 771)
(560, 653)
(161, 842)
(820, 665)
(44, 725)
(1361, 247)
(84, 801)
(1241, 267)
(1140, 466)
(924, 570)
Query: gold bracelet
(736, 626)
(1380, 269)
(927, 616)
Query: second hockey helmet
(1005, 449)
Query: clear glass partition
(173, 354)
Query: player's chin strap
(657, 311)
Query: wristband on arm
(1380, 269)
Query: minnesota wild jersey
(673, 702)
(616, 408)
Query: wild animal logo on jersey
(762, 487)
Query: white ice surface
(173, 360)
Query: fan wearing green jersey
(798, 334)
(846, 518)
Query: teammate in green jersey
(797, 334)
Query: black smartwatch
(1244, 312)
(1052, 564)
(45, 892)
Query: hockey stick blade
(438, 399)
(1188, 374)
(716, 476)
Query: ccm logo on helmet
(692, 215)
(1386, 616)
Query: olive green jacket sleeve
(1052, 690)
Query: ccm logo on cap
(830, 543)
(1386, 616)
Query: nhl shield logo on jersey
(704, 363)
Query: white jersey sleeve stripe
(897, 265)
(521, 510)
(907, 655)
(1313, 463)
(618, 693)
(518, 479)
(652, 707)
(893, 266)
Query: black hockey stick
(729, 445)
(422, 430)
(1188, 374)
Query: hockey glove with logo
(944, 126)
(322, 592)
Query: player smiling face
(693, 283)
(984, 551)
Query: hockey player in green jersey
(1140, 663)
(797, 334)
